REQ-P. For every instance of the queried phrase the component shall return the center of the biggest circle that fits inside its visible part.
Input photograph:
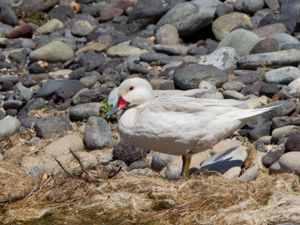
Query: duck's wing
(199, 123)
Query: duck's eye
(131, 88)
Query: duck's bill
(122, 104)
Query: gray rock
(250, 174)
(269, 59)
(167, 34)
(171, 49)
(7, 15)
(295, 85)
(160, 160)
(128, 153)
(292, 143)
(189, 17)
(159, 58)
(273, 155)
(269, 90)
(50, 26)
(275, 167)
(289, 162)
(8, 126)
(284, 38)
(90, 79)
(12, 104)
(233, 85)
(269, 30)
(241, 40)
(90, 95)
(55, 51)
(231, 94)
(124, 50)
(91, 60)
(223, 162)
(25, 93)
(7, 81)
(223, 58)
(224, 9)
(249, 6)
(283, 132)
(285, 121)
(81, 28)
(272, 4)
(174, 169)
(84, 111)
(51, 126)
(190, 76)
(283, 75)
(97, 134)
(223, 25)
(140, 164)
(265, 45)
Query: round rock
(289, 162)
(8, 126)
(283, 75)
(50, 26)
(167, 34)
(292, 144)
(84, 111)
(227, 23)
(81, 28)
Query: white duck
(176, 125)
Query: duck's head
(133, 92)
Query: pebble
(292, 143)
(249, 6)
(269, 30)
(52, 126)
(283, 75)
(283, 132)
(223, 58)
(63, 145)
(229, 161)
(265, 45)
(273, 155)
(81, 28)
(84, 111)
(295, 85)
(282, 121)
(190, 76)
(233, 85)
(128, 153)
(55, 51)
(241, 40)
(124, 51)
(289, 162)
(8, 126)
(167, 34)
(223, 25)
(250, 174)
(50, 26)
(97, 134)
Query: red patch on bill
(122, 103)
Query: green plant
(104, 108)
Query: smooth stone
(273, 155)
(128, 153)
(8, 15)
(124, 50)
(265, 45)
(12, 104)
(50, 26)
(289, 162)
(241, 40)
(56, 51)
(234, 85)
(8, 81)
(63, 145)
(269, 59)
(272, 4)
(62, 13)
(167, 34)
(91, 79)
(159, 58)
(96, 94)
(160, 160)
(97, 134)
(249, 6)
(223, 25)
(81, 28)
(223, 9)
(24, 30)
(91, 60)
(283, 132)
(84, 111)
(190, 76)
(51, 126)
(269, 30)
(171, 49)
(275, 167)
(8, 126)
(283, 75)
(25, 93)
(189, 17)
(285, 121)
(292, 143)
(228, 161)
(284, 38)
(231, 94)
(223, 58)
(295, 85)
(173, 169)
(250, 174)
(140, 164)
(103, 43)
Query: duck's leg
(186, 166)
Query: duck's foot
(186, 166)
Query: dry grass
(133, 199)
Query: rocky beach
(62, 160)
